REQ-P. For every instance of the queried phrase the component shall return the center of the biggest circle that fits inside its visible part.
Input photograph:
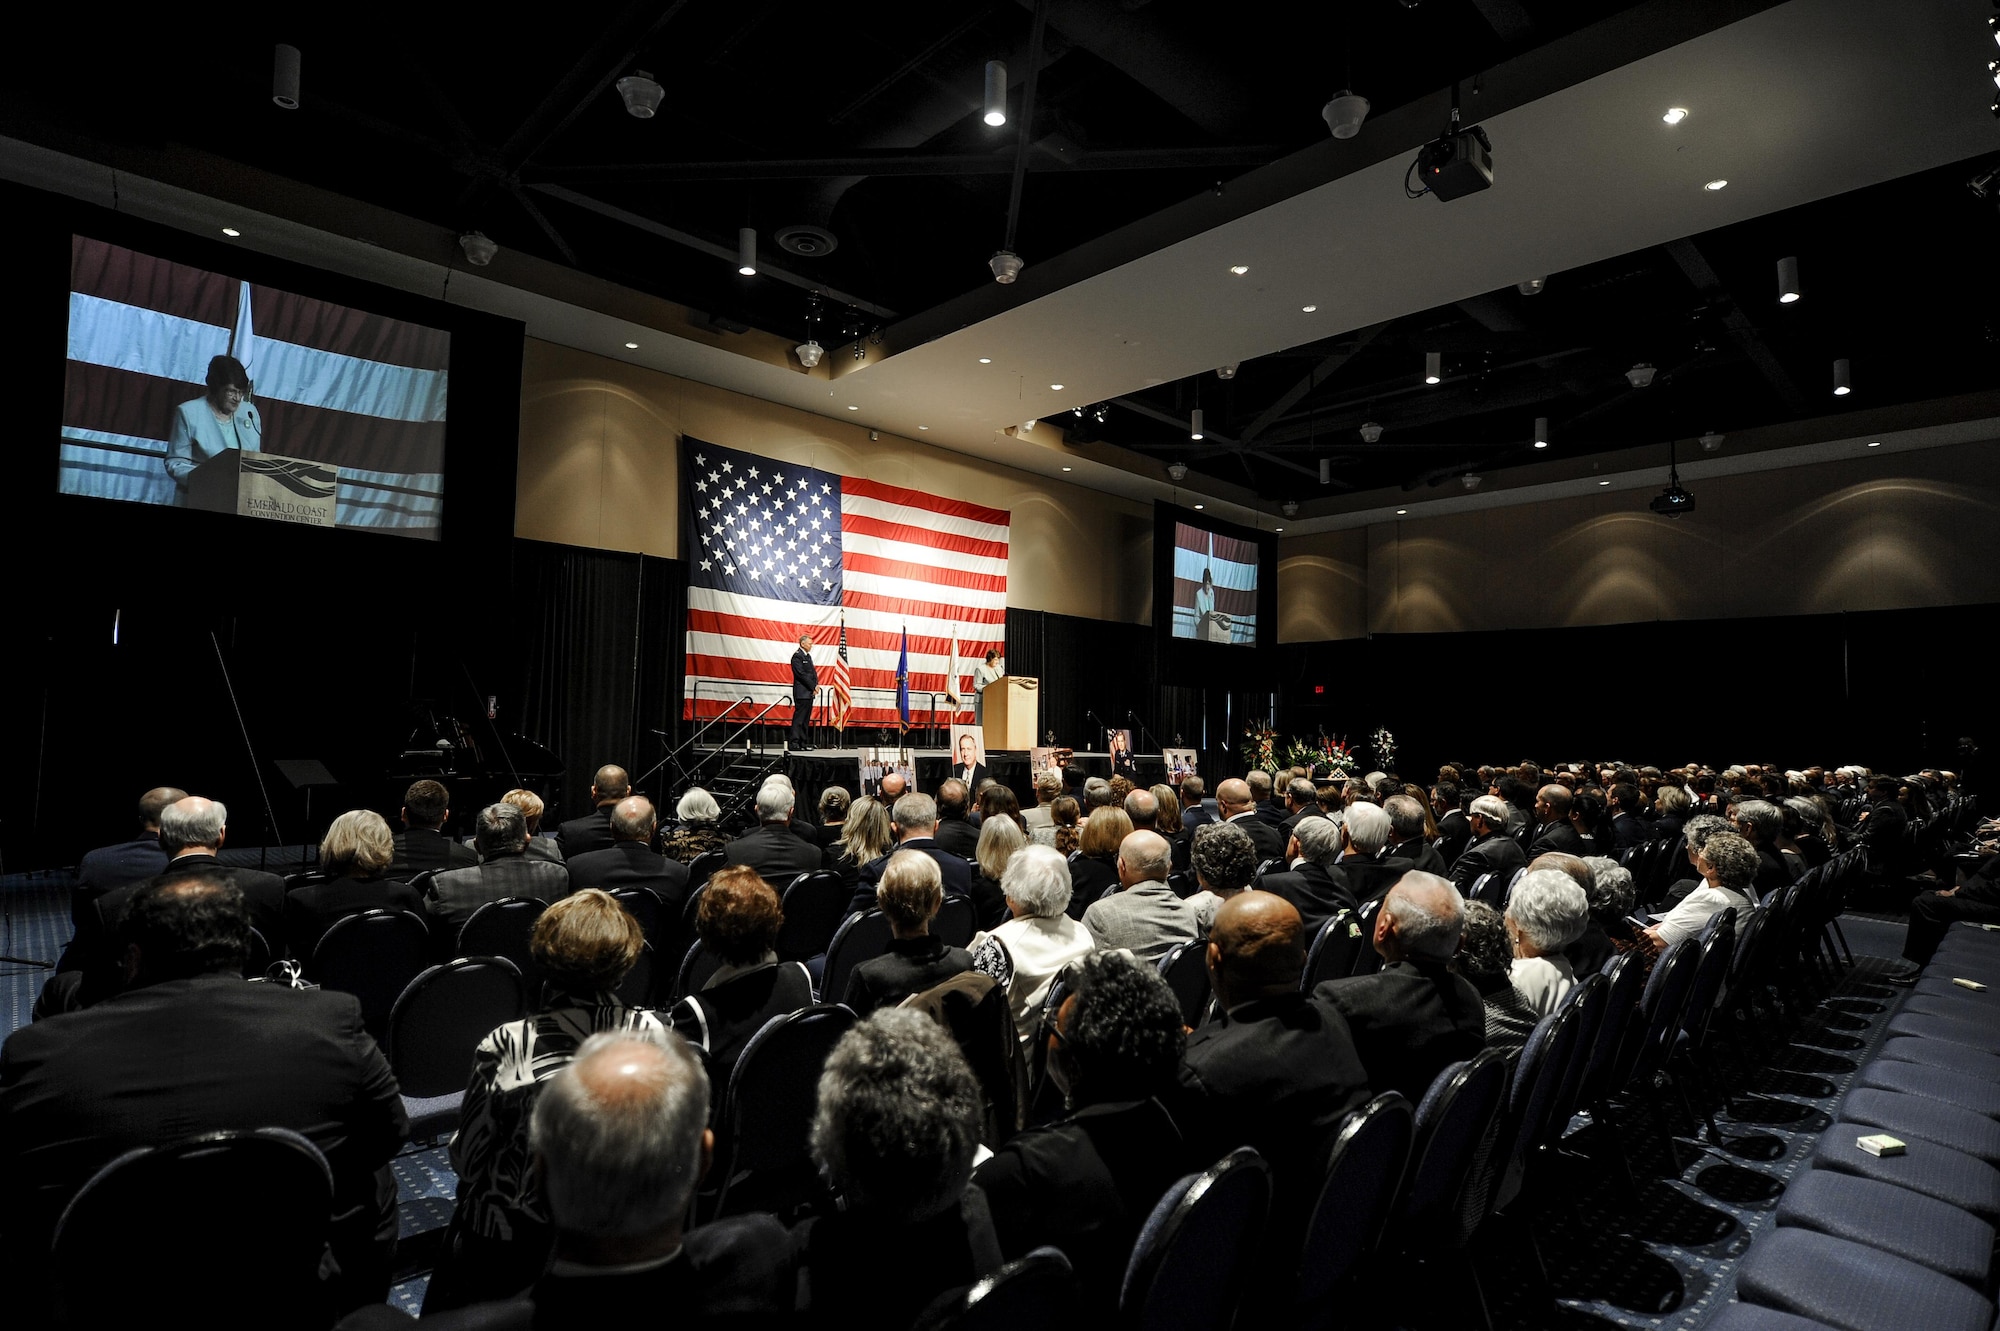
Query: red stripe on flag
(896, 494)
(901, 531)
(325, 326)
(898, 605)
(931, 573)
(112, 272)
(778, 630)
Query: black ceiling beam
(1509, 20)
(1319, 373)
(1446, 405)
(1749, 340)
(896, 162)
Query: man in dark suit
(504, 870)
(1491, 850)
(1314, 884)
(1263, 802)
(1276, 1069)
(422, 845)
(1406, 836)
(1552, 830)
(108, 867)
(1301, 802)
(805, 679)
(914, 819)
(1194, 809)
(591, 832)
(621, 1136)
(1628, 829)
(189, 1047)
(630, 861)
(1364, 835)
(772, 848)
(1519, 797)
(955, 832)
(967, 767)
(1454, 832)
(1415, 1017)
(1234, 800)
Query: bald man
(1144, 915)
(1414, 1017)
(1238, 805)
(630, 861)
(1275, 1068)
(593, 831)
(1552, 829)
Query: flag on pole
(903, 682)
(843, 686)
(953, 671)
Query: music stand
(304, 774)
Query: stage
(852, 768)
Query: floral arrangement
(1323, 755)
(1383, 745)
(1260, 748)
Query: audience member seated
(1195, 809)
(499, 1234)
(1263, 796)
(1454, 831)
(131, 861)
(865, 837)
(1025, 954)
(913, 820)
(1552, 826)
(1167, 822)
(1695, 833)
(1048, 788)
(1628, 825)
(530, 804)
(834, 802)
(1612, 895)
(620, 1138)
(771, 847)
(1761, 824)
(894, 1134)
(1065, 827)
(1546, 912)
(738, 922)
(1364, 835)
(354, 858)
(955, 833)
(422, 846)
(630, 861)
(1093, 869)
(1728, 866)
(1144, 915)
(998, 801)
(698, 829)
(504, 870)
(1097, 794)
(999, 839)
(891, 788)
(1586, 816)
(1142, 809)
(1301, 802)
(1315, 883)
(1410, 835)
(1276, 1068)
(593, 831)
(1224, 862)
(1086, 1183)
(1415, 1017)
(1519, 798)
(1485, 956)
(190, 1047)
(1491, 850)
(1237, 805)
(910, 893)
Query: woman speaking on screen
(222, 418)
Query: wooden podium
(1012, 706)
(265, 485)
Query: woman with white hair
(1546, 912)
(699, 831)
(1027, 953)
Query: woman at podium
(222, 418)
(983, 674)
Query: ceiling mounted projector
(1458, 164)
(1673, 502)
(1344, 113)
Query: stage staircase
(736, 782)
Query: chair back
(1187, 1268)
(1589, 999)
(1451, 1123)
(1184, 883)
(1744, 966)
(246, 1211)
(1184, 966)
(642, 904)
(640, 987)
(1370, 1153)
(258, 959)
(502, 929)
(1037, 1291)
(374, 956)
(696, 966)
(773, 1091)
(1366, 959)
(444, 1014)
(1624, 979)
(955, 923)
(861, 937)
(1335, 949)
(1718, 950)
(815, 904)
(701, 866)
(1480, 886)
(1660, 1008)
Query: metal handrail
(675, 756)
(751, 722)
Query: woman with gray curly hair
(1224, 859)
(1728, 865)
(1485, 954)
(894, 1136)
(1027, 952)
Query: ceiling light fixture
(1842, 386)
(1344, 113)
(985, 360)
(1675, 114)
(1307, 309)
(631, 346)
(1056, 387)
(1177, 470)
(479, 251)
(1194, 423)
(1875, 444)
(1711, 441)
(1030, 423)
(1370, 432)
(1471, 481)
(1532, 286)
(852, 407)
(285, 76)
(923, 427)
(746, 250)
(1541, 432)
(1715, 185)
(1227, 371)
(996, 93)
(641, 93)
(1788, 280)
(1239, 269)
(1641, 375)
(1401, 511)
(1277, 529)
(1326, 471)
(231, 232)
(1201, 506)
(1604, 482)
(1069, 468)
(1433, 367)
(809, 352)
(1290, 508)
(1006, 266)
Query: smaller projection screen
(1215, 586)
(1215, 595)
(192, 389)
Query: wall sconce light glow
(1239, 268)
(1842, 385)
(1788, 280)
(231, 232)
(1675, 114)
(1433, 367)
(1714, 185)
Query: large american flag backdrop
(775, 550)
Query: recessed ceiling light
(1675, 114)
(985, 360)
(1604, 482)
(631, 346)
(1876, 444)
(1200, 505)
(1069, 469)
(1239, 268)
(1308, 309)
(231, 231)
(1401, 511)
(1277, 529)
(1057, 387)
(853, 408)
(1714, 185)
(923, 427)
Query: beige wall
(600, 467)
(1875, 533)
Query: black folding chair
(642, 904)
(695, 968)
(1370, 1154)
(861, 937)
(435, 1026)
(638, 988)
(1037, 1291)
(1184, 966)
(1452, 1124)
(258, 959)
(502, 929)
(955, 923)
(1366, 959)
(701, 866)
(244, 1211)
(767, 1109)
(374, 956)
(815, 904)
(1188, 1266)
(1334, 951)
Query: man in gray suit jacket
(1144, 915)
(504, 870)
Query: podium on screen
(266, 485)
